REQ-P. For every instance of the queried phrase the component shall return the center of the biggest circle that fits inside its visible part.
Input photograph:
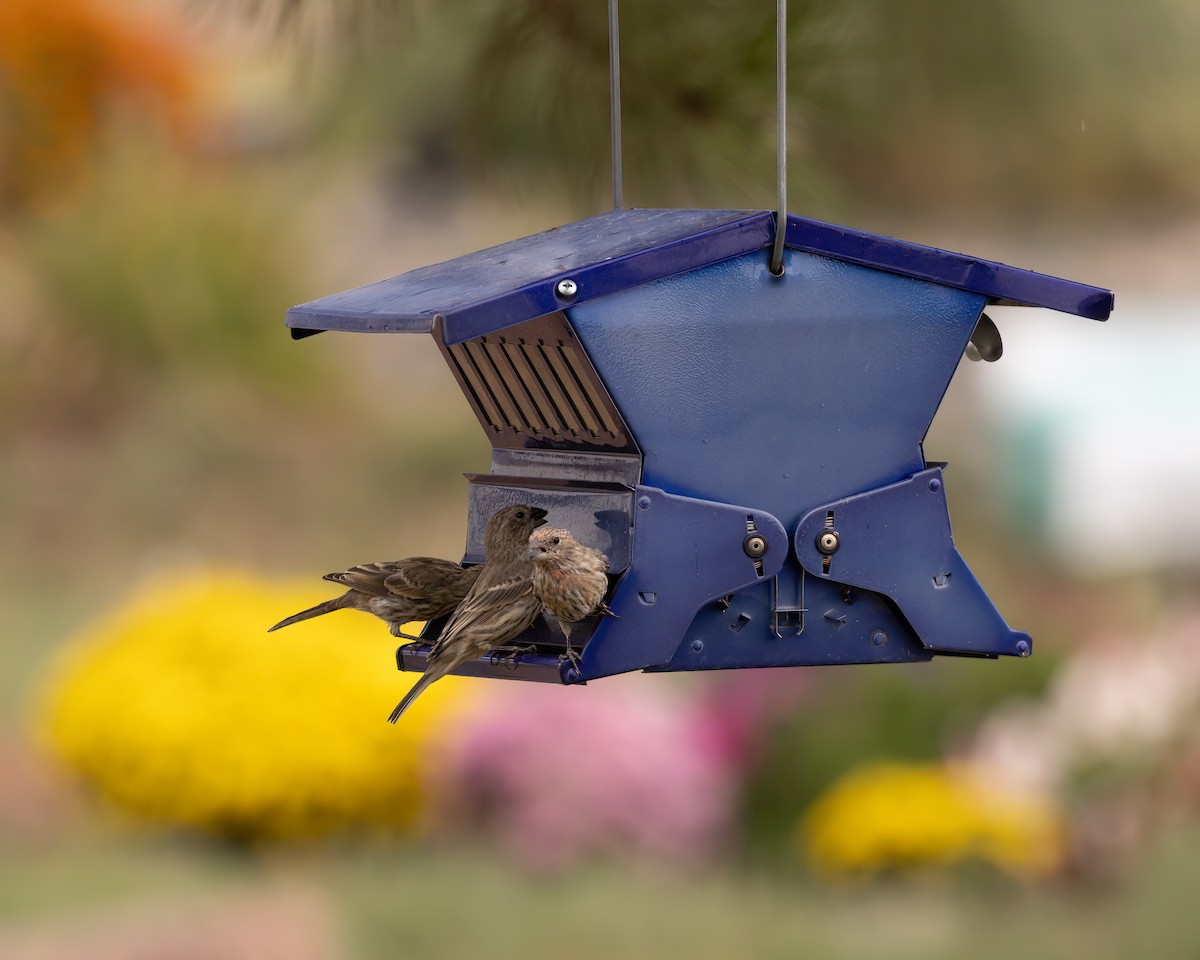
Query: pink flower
(625, 767)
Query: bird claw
(508, 655)
(572, 656)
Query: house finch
(500, 606)
(569, 578)
(419, 588)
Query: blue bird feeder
(744, 448)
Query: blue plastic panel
(821, 624)
(686, 554)
(896, 541)
(516, 281)
(783, 394)
(999, 282)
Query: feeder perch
(744, 448)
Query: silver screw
(567, 289)
(828, 542)
(755, 546)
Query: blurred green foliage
(389, 901)
(1077, 107)
(515, 96)
(163, 269)
(1025, 108)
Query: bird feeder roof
(516, 281)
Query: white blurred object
(1016, 749)
(1115, 701)
(1100, 423)
(1120, 700)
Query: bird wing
(421, 577)
(484, 600)
(366, 578)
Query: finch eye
(555, 541)
(520, 514)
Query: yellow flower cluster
(889, 816)
(181, 709)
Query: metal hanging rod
(780, 134)
(614, 87)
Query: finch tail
(426, 679)
(337, 603)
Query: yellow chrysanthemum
(888, 816)
(180, 708)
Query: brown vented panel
(532, 385)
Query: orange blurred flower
(65, 68)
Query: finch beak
(539, 515)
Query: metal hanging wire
(614, 88)
(780, 135)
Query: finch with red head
(499, 607)
(569, 578)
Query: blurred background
(177, 474)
